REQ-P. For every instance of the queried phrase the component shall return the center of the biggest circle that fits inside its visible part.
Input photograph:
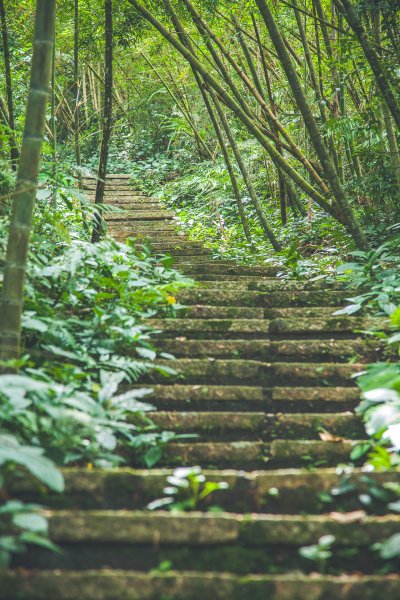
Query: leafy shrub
(187, 490)
(21, 523)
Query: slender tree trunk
(315, 136)
(53, 127)
(107, 120)
(14, 153)
(390, 130)
(53, 108)
(4, 114)
(11, 303)
(281, 178)
(246, 177)
(76, 90)
(229, 166)
(372, 57)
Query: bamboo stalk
(107, 120)
(11, 303)
(76, 92)
(372, 57)
(14, 152)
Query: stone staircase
(264, 380)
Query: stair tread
(182, 585)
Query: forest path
(265, 382)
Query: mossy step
(149, 238)
(296, 285)
(139, 215)
(109, 177)
(262, 284)
(198, 260)
(112, 186)
(222, 278)
(116, 198)
(327, 349)
(202, 370)
(301, 312)
(198, 370)
(265, 426)
(135, 206)
(267, 350)
(258, 349)
(207, 529)
(245, 454)
(339, 324)
(181, 249)
(214, 326)
(222, 269)
(274, 299)
(166, 225)
(200, 311)
(253, 398)
(293, 490)
(110, 584)
(307, 327)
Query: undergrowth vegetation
(84, 338)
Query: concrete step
(297, 490)
(258, 454)
(104, 584)
(271, 299)
(308, 327)
(222, 269)
(184, 396)
(335, 350)
(239, 426)
(144, 216)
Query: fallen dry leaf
(349, 517)
(329, 437)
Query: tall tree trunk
(390, 130)
(107, 120)
(228, 164)
(53, 127)
(14, 153)
(246, 177)
(372, 57)
(315, 136)
(281, 177)
(76, 90)
(11, 303)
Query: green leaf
(146, 353)
(391, 547)
(359, 450)
(30, 521)
(152, 456)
